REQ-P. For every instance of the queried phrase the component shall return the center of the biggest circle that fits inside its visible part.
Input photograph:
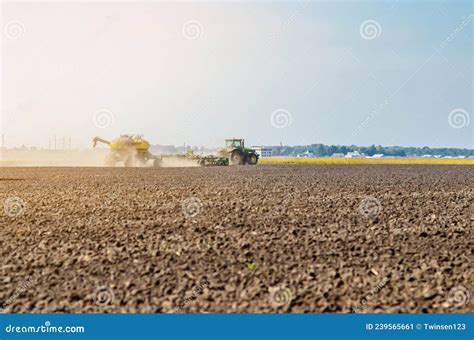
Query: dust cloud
(178, 162)
(20, 157)
(78, 158)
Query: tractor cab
(234, 143)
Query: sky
(296, 73)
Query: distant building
(339, 155)
(262, 151)
(306, 154)
(355, 154)
(378, 155)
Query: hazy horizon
(341, 73)
(100, 146)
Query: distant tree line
(321, 150)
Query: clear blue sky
(201, 72)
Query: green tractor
(237, 153)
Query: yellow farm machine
(132, 150)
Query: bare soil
(225, 239)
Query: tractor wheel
(236, 158)
(252, 159)
(110, 160)
(157, 163)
